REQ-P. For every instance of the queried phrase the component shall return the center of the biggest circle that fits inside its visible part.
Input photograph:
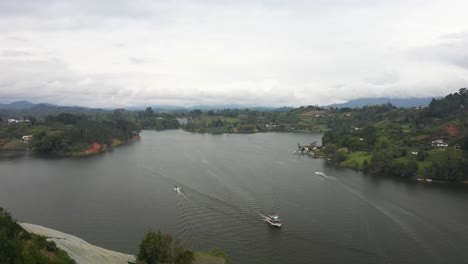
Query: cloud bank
(272, 53)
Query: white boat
(273, 220)
(179, 191)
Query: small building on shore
(27, 138)
(439, 143)
(12, 121)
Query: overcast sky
(120, 53)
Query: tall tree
(161, 248)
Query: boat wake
(326, 176)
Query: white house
(27, 138)
(439, 143)
(12, 121)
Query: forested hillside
(68, 134)
(302, 119)
(80, 134)
(428, 143)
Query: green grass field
(356, 160)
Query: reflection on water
(12, 155)
(113, 198)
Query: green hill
(427, 143)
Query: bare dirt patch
(453, 130)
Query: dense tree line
(68, 132)
(450, 104)
(161, 248)
(159, 121)
(245, 121)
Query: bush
(161, 248)
(19, 246)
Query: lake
(336, 216)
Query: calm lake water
(340, 216)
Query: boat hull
(272, 223)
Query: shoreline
(98, 148)
(78, 249)
(94, 148)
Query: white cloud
(123, 53)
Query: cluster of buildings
(26, 138)
(442, 144)
(12, 121)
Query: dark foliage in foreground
(19, 246)
(161, 248)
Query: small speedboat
(179, 191)
(273, 220)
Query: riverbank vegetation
(425, 143)
(80, 134)
(302, 119)
(68, 134)
(162, 248)
(19, 246)
(150, 119)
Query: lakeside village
(320, 152)
(25, 139)
(312, 150)
(317, 152)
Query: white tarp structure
(78, 249)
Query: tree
(161, 248)
(382, 143)
(50, 143)
(365, 167)
(330, 149)
(421, 156)
(351, 142)
(369, 133)
(19, 246)
(380, 163)
(339, 157)
(65, 118)
(149, 112)
(464, 143)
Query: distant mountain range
(398, 102)
(173, 108)
(17, 105)
(25, 107)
